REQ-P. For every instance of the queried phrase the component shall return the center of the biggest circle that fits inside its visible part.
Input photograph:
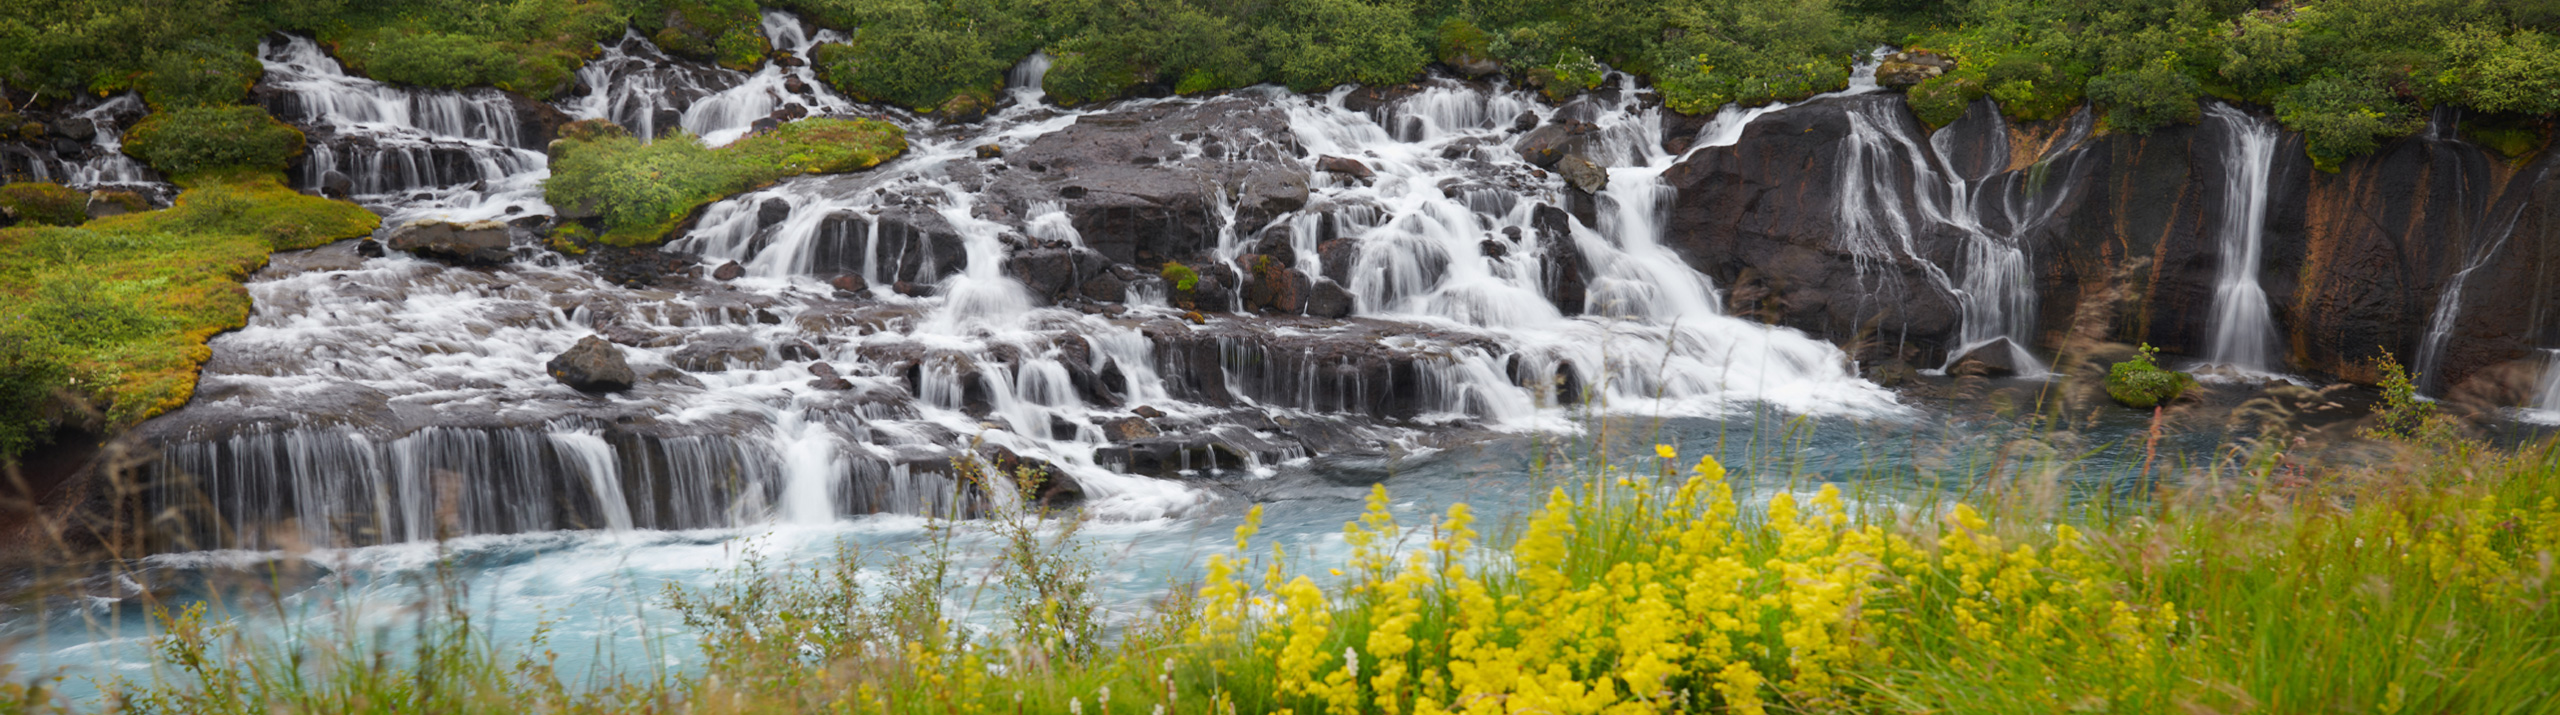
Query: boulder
(1327, 299)
(479, 243)
(1903, 69)
(772, 211)
(990, 151)
(1128, 429)
(728, 271)
(1583, 173)
(1546, 145)
(1345, 166)
(1997, 358)
(850, 283)
(594, 366)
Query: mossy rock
(642, 191)
(201, 139)
(44, 204)
(2140, 383)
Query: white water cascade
(457, 155)
(2545, 408)
(1882, 221)
(2244, 332)
(2487, 237)
(774, 92)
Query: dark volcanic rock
(1997, 358)
(728, 271)
(483, 243)
(593, 365)
(1327, 299)
(1124, 183)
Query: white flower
(1351, 662)
(1075, 706)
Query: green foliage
(729, 32)
(2152, 96)
(2494, 72)
(1181, 277)
(2140, 383)
(44, 204)
(110, 318)
(1318, 44)
(641, 190)
(199, 73)
(434, 59)
(528, 46)
(2402, 414)
(1941, 100)
(2342, 116)
(197, 139)
(915, 66)
(1749, 52)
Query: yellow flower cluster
(1633, 596)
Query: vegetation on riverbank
(104, 325)
(2420, 582)
(2347, 75)
(641, 190)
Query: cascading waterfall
(2487, 236)
(1992, 284)
(457, 155)
(2546, 401)
(393, 398)
(774, 92)
(2244, 333)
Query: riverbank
(2415, 581)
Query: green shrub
(2402, 414)
(435, 59)
(2141, 383)
(918, 67)
(200, 73)
(1318, 44)
(44, 204)
(2494, 72)
(2140, 100)
(1181, 277)
(2342, 116)
(729, 32)
(197, 139)
(642, 190)
(1941, 100)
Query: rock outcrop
(479, 243)
(593, 365)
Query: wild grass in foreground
(2422, 585)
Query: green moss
(530, 46)
(111, 318)
(642, 190)
(1181, 277)
(44, 204)
(2511, 136)
(2140, 383)
(198, 139)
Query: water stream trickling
(2244, 332)
(1896, 187)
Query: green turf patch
(642, 191)
(107, 322)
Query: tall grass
(2415, 584)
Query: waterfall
(2244, 333)
(2486, 236)
(774, 92)
(2546, 400)
(1895, 188)
(393, 398)
(107, 163)
(457, 155)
